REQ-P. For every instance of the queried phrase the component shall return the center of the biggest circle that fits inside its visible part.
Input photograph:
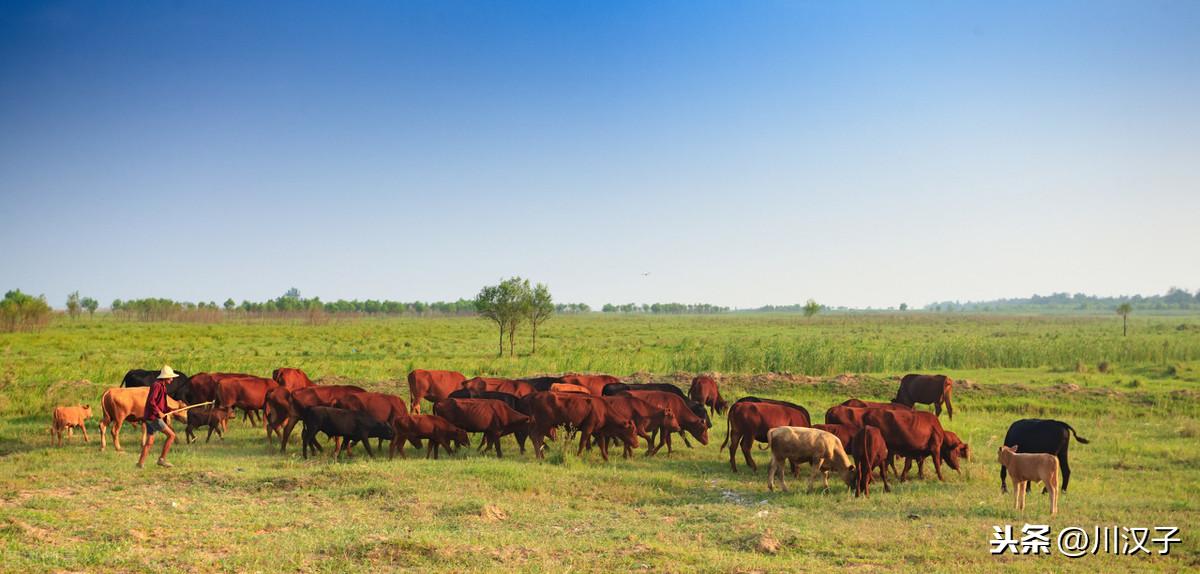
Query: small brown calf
(67, 418)
(213, 418)
(1034, 467)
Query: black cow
(350, 425)
(615, 388)
(1041, 435)
(179, 388)
(542, 383)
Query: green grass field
(239, 506)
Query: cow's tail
(1077, 437)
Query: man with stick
(156, 407)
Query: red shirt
(156, 401)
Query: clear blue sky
(742, 153)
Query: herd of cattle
(856, 439)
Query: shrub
(1102, 367)
(21, 312)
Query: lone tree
(91, 305)
(73, 304)
(538, 307)
(811, 308)
(230, 305)
(1124, 309)
(504, 304)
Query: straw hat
(167, 373)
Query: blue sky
(741, 153)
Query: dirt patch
(1065, 387)
(966, 384)
(492, 513)
(767, 543)
(846, 380)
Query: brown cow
(688, 420)
(213, 418)
(433, 386)
(914, 434)
(568, 388)
(870, 452)
(437, 430)
(203, 388)
(492, 418)
(308, 397)
(276, 407)
(594, 383)
(246, 392)
(843, 432)
(291, 379)
(951, 445)
(586, 413)
(750, 422)
(646, 418)
(67, 418)
(513, 387)
(926, 389)
(382, 407)
(704, 391)
(119, 405)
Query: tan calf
(803, 444)
(67, 418)
(1024, 468)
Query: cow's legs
(1003, 476)
(83, 429)
(211, 429)
(734, 439)
(747, 446)
(685, 440)
(907, 465)
(103, 429)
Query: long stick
(188, 407)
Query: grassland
(239, 506)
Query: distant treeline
(293, 305)
(1174, 299)
(664, 308)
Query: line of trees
(514, 302)
(21, 312)
(665, 308)
(1174, 299)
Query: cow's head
(699, 429)
(461, 438)
(627, 432)
(87, 410)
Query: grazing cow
(566, 388)
(646, 418)
(437, 430)
(594, 383)
(913, 434)
(1042, 435)
(512, 401)
(340, 423)
(246, 392)
(616, 428)
(291, 379)
(749, 421)
(587, 413)
(843, 432)
(704, 391)
(952, 445)
(67, 418)
(685, 412)
(179, 389)
(432, 386)
(119, 405)
(211, 417)
(803, 444)
(926, 389)
(1031, 467)
(382, 407)
(308, 397)
(510, 386)
(492, 418)
(870, 452)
